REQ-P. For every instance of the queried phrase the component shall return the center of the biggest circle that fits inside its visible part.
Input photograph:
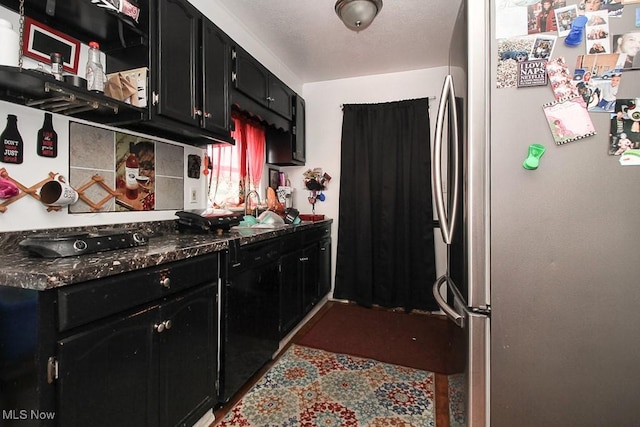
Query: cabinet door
(251, 78)
(290, 292)
(309, 265)
(106, 375)
(250, 336)
(280, 98)
(187, 362)
(178, 63)
(215, 106)
(299, 144)
(324, 268)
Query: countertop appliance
(58, 245)
(542, 270)
(206, 221)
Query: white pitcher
(9, 50)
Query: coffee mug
(57, 192)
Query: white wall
(324, 128)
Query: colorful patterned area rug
(311, 387)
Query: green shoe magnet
(533, 160)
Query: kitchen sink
(248, 230)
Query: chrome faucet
(246, 202)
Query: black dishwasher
(250, 316)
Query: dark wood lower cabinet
(96, 358)
(324, 267)
(141, 348)
(290, 293)
(305, 276)
(153, 368)
(187, 358)
(106, 374)
(309, 274)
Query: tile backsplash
(100, 152)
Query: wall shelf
(40, 90)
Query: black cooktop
(57, 245)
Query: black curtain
(385, 231)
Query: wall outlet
(193, 196)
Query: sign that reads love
(532, 73)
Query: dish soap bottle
(11, 141)
(95, 72)
(131, 174)
(47, 138)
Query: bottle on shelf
(47, 138)
(56, 65)
(95, 72)
(12, 146)
(131, 174)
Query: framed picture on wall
(273, 178)
(41, 41)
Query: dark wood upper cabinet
(280, 97)
(178, 66)
(288, 148)
(195, 74)
(190, 82)
(299, 150)
(255, 81)
(215, 92)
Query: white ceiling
(309, 38)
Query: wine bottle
(12, 146)
(47, 138)
(131, 174)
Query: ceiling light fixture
(358, 14)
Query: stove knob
(80, 245)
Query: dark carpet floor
(421, 341)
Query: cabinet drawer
(317, 233)
(93, 300)
(291, 243)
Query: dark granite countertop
(166, 244)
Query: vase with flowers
(316, 181)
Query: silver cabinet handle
(162, 326)
(165, 282)
(447, 105)
(270, 99)
(197, 112)
(207, 115)
(456, 317)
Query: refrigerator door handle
(447, 104)
(451, 313)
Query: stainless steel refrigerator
(544, 265)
